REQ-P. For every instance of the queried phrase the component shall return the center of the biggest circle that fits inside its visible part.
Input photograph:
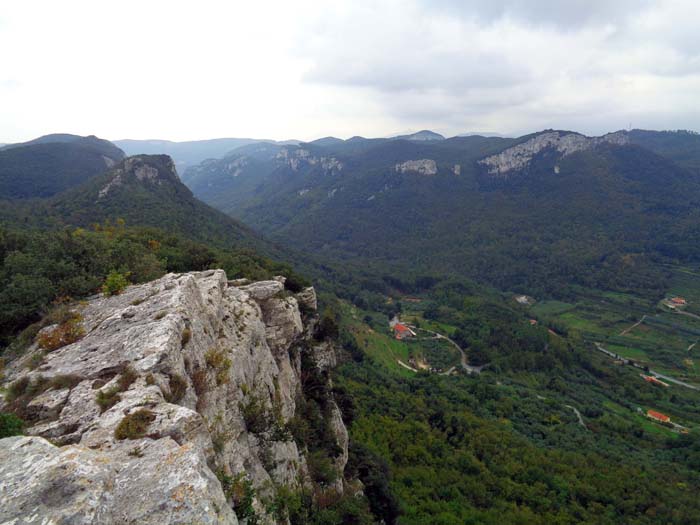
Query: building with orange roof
(654, 380)
(658, 416)
(401, 331)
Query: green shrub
(327, 327)
(217, 359)
(321, 468)
(114, 284)
(240, 491)
(255, 414)
(10, 425)
(64, 381)
(134, 425)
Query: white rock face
(235, 167)
(421, 166)
(228, 345)
(297, 158)
(519, 156)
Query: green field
(661, 341)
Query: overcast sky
(305, 69)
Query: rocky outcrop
(161, 483)
(141, 168)
(520, 155)
(176, 385)
(421, 166)
(295, 158)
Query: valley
(487, 361)
(258, 266)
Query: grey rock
(421, 166)
(307, 299)
(142, 482)
(520, 155)
(225, 344)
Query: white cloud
(184, 70)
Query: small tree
(114, 284)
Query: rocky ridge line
(520, 155)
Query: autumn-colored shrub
(66, 333)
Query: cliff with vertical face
(180, 395)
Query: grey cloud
(419, 69)
(564, 14)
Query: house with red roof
(658, 416)
(401, 331)
(654, 380)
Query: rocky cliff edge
(176, 399)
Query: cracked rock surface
(197, 349)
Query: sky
(304, 69)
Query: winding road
(613, 355)
(463, 359)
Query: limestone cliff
(178, 397)
(519, 156)
(421, 166)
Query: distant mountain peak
(424, 135)
(327, 141)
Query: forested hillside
(52, 164)
(584, 217)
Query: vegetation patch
(134, 425)
(178, 388)
(218, 360)
(68, 332)
(10, 425)
(186, 336)
(106, 399)
(22, 391)
(114, 284)
(239, 490)
(255, 414)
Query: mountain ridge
(48, 165)
(439, 198)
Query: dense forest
(40, 269)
